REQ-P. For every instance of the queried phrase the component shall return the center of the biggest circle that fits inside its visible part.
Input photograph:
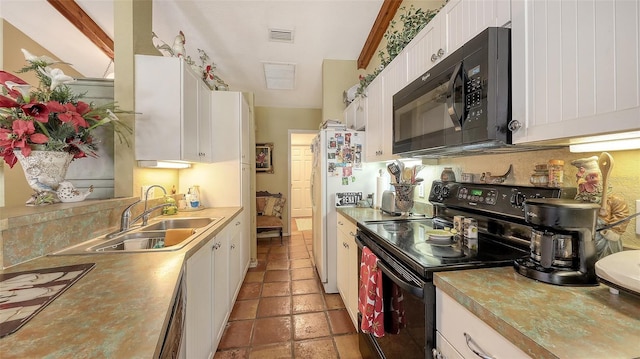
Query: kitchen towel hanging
(370, 294)
(396, 309)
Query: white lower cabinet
(220, 275)
(236, 263)
(214, 276)
(199, 300)
(348, 267)
(460, 333)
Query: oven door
(416, 338)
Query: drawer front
(444, 349)
(454, 321)
(346, 226)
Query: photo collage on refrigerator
(344, 155)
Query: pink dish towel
(370, 294)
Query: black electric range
(409, 241)
(408, 257)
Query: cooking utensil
(605, 163)
(407, 175)
(394, 171)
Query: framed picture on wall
(264, 157)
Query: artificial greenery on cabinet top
(412, 20)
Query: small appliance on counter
(562, 241)
(388, 204)
(621, 271)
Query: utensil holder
(404, 196)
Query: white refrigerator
(339, 178)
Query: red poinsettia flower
(68, 113)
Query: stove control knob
(445, 192)
(517, 199)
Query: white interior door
(301, 162)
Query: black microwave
(462, 102)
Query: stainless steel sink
(149, 238)
(137, 241)
(162, 225)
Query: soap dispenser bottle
(194, 198)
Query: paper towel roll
(381, 185)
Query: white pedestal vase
(44, 171)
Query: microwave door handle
(453, 114)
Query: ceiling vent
(280, 35)
(279, 76)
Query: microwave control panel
(474, 94)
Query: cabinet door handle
(233, 246)
(352, 234)
(434, 57)
(238, 223)
(514, 125)
(339, 223)
(479, 352)
(440, 52)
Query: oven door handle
(404, 285)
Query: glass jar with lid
(556, 173)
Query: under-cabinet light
(163, 164)
(607, 145)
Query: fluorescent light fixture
(613, 142)
(279, 76)
(163, 164)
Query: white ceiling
(234, 33)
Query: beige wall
(337, 76)
(273, 125)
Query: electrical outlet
(637, 218)
(421, 189)
(143, 191)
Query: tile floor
(282, 310)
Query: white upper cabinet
(230, 127)
(374, 133)
(575, 68)
(173, 111)
(456, 23)
(425, 50)
(355, 115)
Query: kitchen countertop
(549, 321)
(366, 214)
(544, 320)
(119, 309)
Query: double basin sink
(149, 238)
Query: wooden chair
(269, 208)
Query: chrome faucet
(125, 218)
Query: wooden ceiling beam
(385, 15)
(81, 20)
